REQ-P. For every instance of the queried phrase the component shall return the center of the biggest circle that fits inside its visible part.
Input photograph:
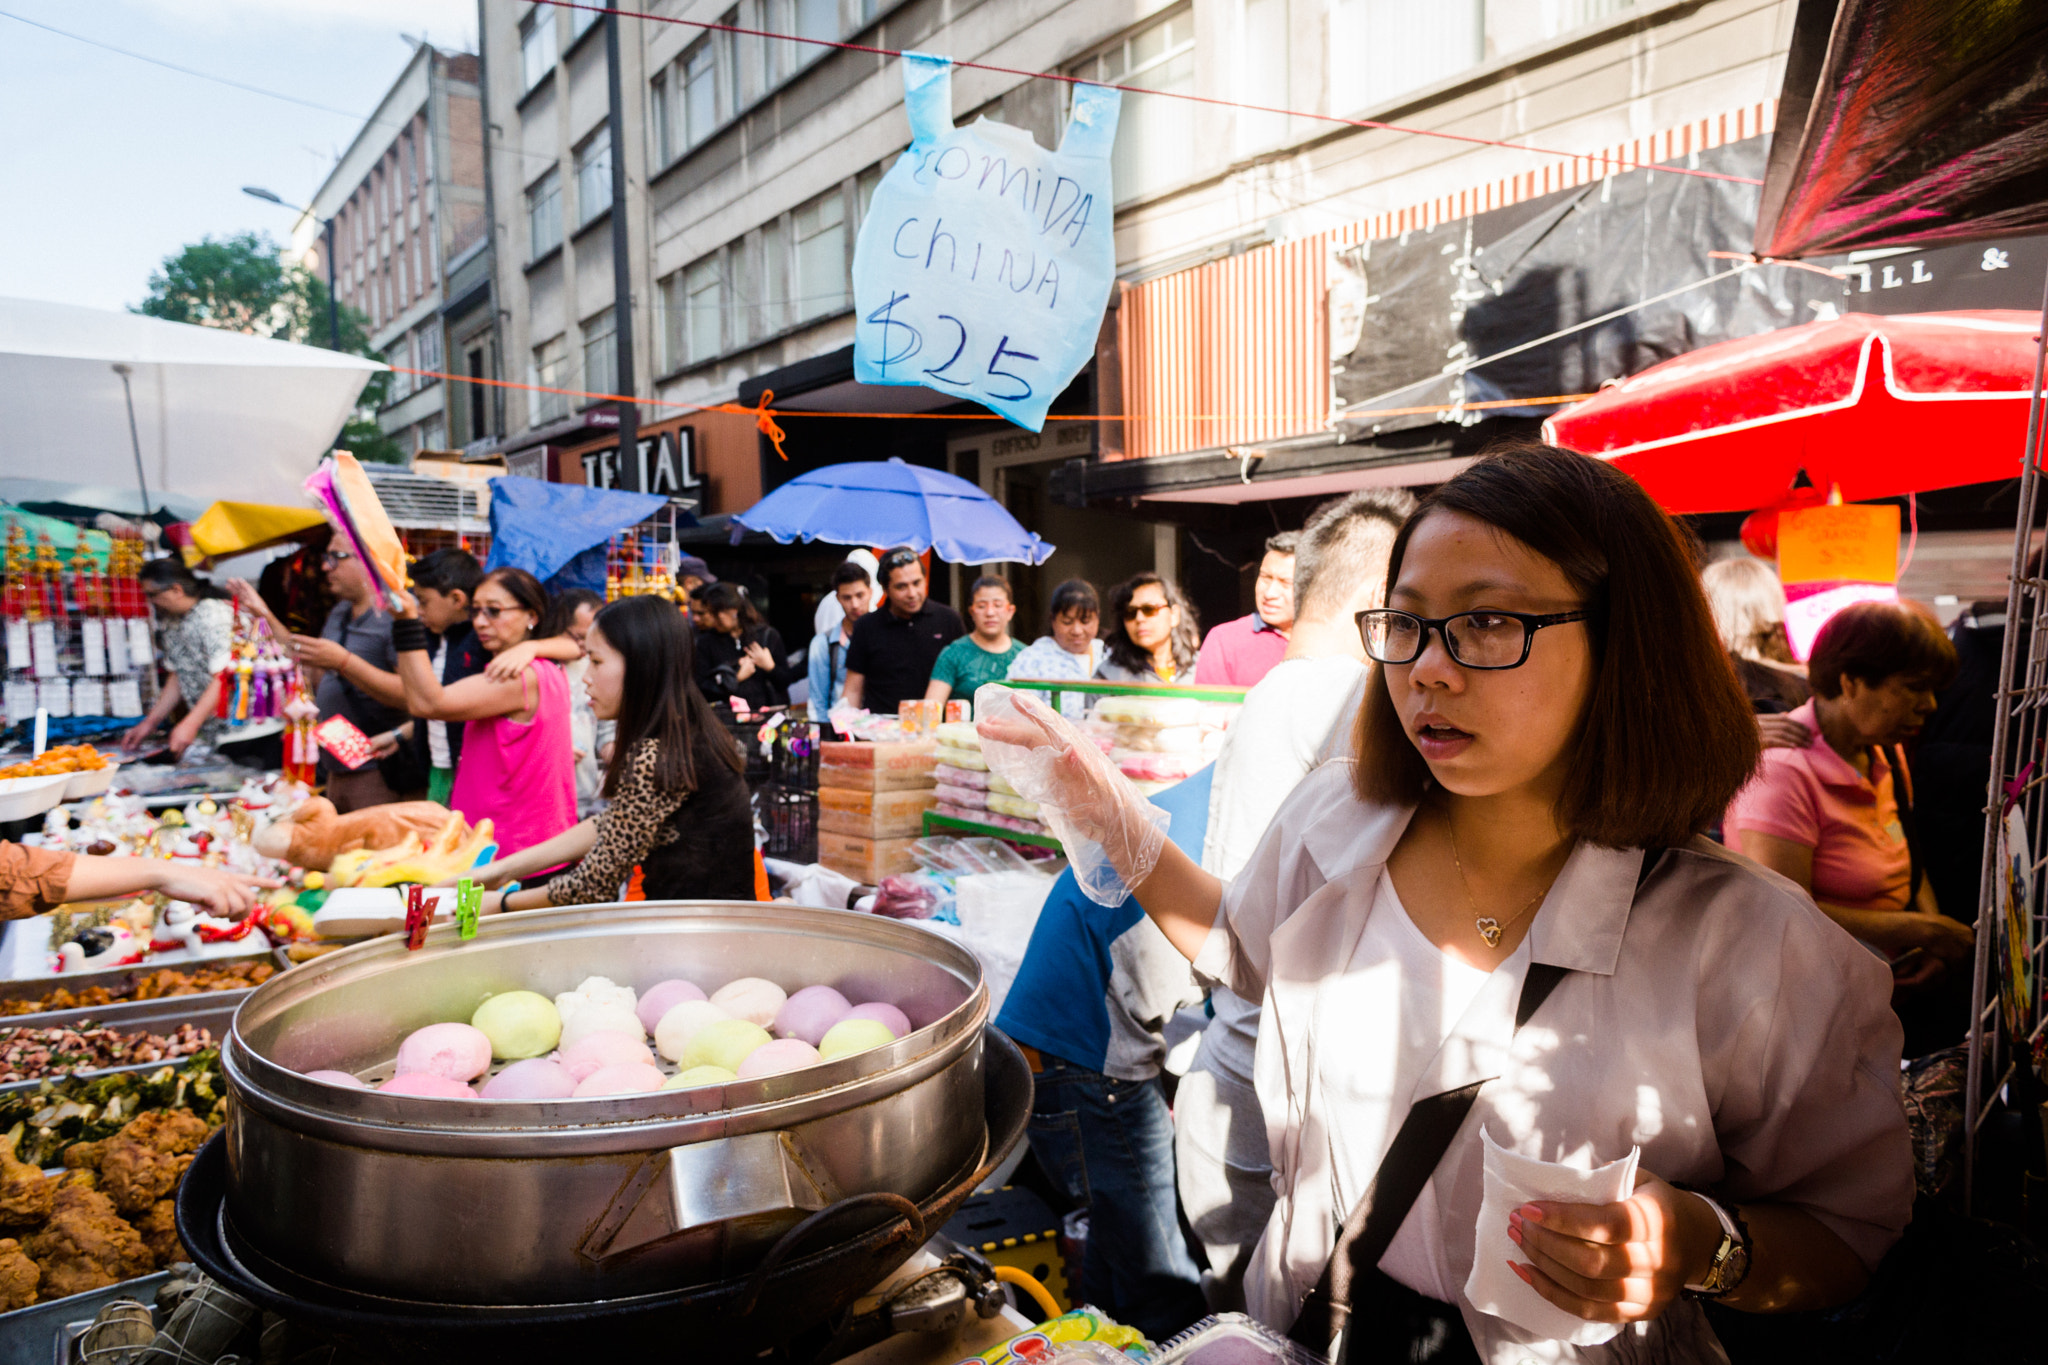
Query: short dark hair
(564, 605)
(1283, 543)
(447, 570)
(1076, 595)
(989, 580)
(849, 572)
(1873, 641)
(171, 572)
(524, 589)
(1345, 542)
(1668, 737)
(1187, 633)
(896, 559)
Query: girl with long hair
(739, 655)
(1151, 632)
(1498, 916)
(679, 806)
(517, 767)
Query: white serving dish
(90, 782)
(22, 797)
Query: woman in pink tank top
(517, 767)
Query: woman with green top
(983, 655)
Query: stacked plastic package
(969, 791)
(871, 804)
(1158, 741)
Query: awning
(233, 528)
(217, 414)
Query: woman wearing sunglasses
(517, 766)
(1497, 916)
(1151, 634)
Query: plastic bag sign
(984, 262)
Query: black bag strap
(1425, 1135)
(1902, 796)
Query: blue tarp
(557, 531)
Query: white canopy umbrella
(215, 414)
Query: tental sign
(668, 464)
(985, 260)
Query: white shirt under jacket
(1723, 1023)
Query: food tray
(1233, 1339)
(211, 1010)
(120, 978)
(23, 797)
(47, 1332)
(90, 782)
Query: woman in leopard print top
(679, 805)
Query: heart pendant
(1489, 929)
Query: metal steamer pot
(455, 1202)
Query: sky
(112, 164)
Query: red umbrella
(1879, 405)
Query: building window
(433, 434)
(550, 359)
(703, 309)
(821, 276)
(600, 355)
(399, 358)
(594, 176)
(662, 115)
(1396, 47)
(537, 47)
(703, 104)
(544, 214)
(477, 398)
(771, 312)
(427, 347)
(580, 21)
(1155, 139)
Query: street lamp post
(327, 231)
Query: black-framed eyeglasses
(1475, 639)
(334, 557)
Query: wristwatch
(1730, 1266)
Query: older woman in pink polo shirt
(1827, 815)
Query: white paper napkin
(1513, 1180)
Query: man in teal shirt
(983, 655)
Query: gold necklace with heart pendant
(1489, 928)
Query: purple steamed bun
(883, 1013)
(428, 1086)
(628, 1078)
(662, 997)
(456, 1052)
(594, 1051)
(536, 1078)
(340, 1078)
(784, 1054)
(809, 1012)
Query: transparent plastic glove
(1113, 835)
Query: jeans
(1109, 1144)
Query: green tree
(243, 284)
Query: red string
(1620, 162)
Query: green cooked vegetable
(60, 1112)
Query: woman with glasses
(517, 767)
(1151, 634)
(353, 672)
(1495, 922)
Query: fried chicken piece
(135, 1175)
(86, 1245)
(158, 1225)
(84, 1156)
(25, 1192)
(173, 1132)
(18, 1276)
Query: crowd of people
(1531, 833)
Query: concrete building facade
(413, 250)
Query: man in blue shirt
(854, 589)
(1089, 1006)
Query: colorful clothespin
(469, 903)
(419, 913)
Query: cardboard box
(876, 767)
(863, 859)
(878, 815)
(875, 779)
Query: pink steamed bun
(809, 1012)
(750, 998)
(340, 1078)
(627, 1078)
(428, 1086)
(784, 1054)
(455, 1052)
(662, 997)
(883, 1013)
(536, 1078)
(595, 1051)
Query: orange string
(768, 426)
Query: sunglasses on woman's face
(1148, 610)
(334, 557)
(493, 613)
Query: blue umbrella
(893, 503)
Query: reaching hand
(319, 652)
(763, 660)
(507, 667)
(228, 894)
(184, 732)
(1622, 1262)
(1783, 732)
(137, 733)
